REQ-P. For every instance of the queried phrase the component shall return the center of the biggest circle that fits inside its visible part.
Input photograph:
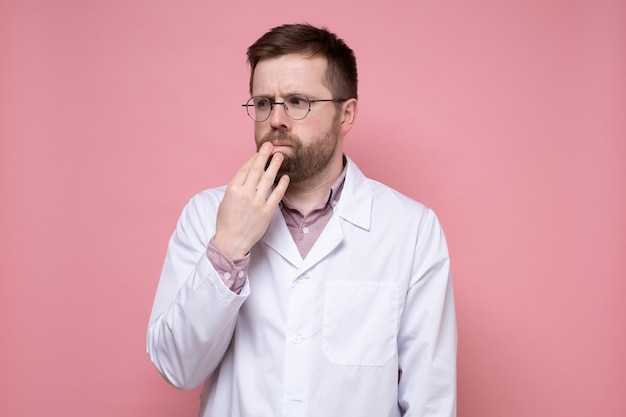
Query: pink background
(506, 117)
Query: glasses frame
(283, 103)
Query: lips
(278, 139)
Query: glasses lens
(297, 107)
(259, 108)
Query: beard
(304, 161)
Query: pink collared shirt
(304, 229)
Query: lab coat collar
(355, 204)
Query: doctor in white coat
(304, 288)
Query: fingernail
(267, 146)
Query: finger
(258, 165)
(267, 180)
(278, 192)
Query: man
(303, 288)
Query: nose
(279, 118)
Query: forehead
(289, 74)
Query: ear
(348, 115)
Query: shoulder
(397, 207)
(384, 197)
(391, 208)
(387, 194)
(204, 203)
(208, 196)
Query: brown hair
(341, 73)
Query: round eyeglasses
(296, 106)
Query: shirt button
(297, 338)
(240, 274)
(305, 230)
(226, 275)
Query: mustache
(278, 135)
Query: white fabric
(324, 336)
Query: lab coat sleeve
(427, 340)
(194, 313)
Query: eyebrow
(272, 97)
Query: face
(311, 145)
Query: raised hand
(249, 203)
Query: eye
(299, 102)
(262, 103)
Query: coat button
(297, 338)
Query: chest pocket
(360, 322)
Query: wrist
(229, 249)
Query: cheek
(259, 131)
(322, 120)
(309, 127)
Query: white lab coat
(364, 326)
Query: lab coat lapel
(279, 239)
